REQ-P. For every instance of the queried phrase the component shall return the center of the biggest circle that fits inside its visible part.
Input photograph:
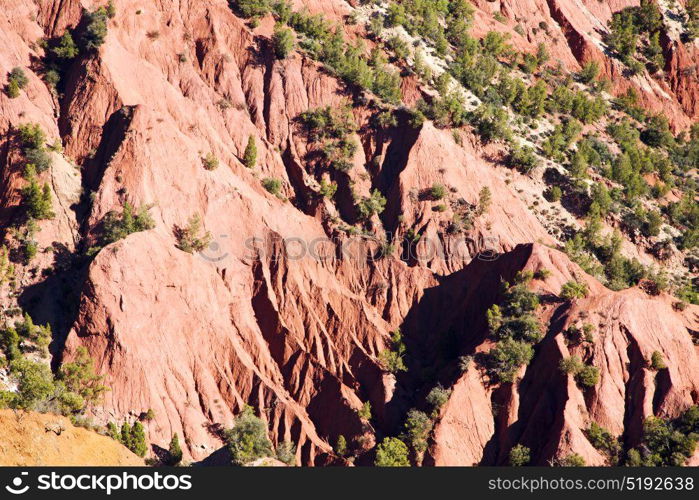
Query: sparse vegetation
(605, 442)
(392, 359)
(392, 452)
(95, 29)
(250, 154)
(372, 205)
(667, 442)
(16, 81)
(519, 455)
(247, 440)
(174, 451)
(657, 362)
(117, 226)
(210, 161)
(190, 238)
(273, 186)
(283, 41)
(574, 290)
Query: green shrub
(190, 238)
(506, 358)
(331, 127)
(272, 185)
(341, 446)
(247, 440)
(667, 443)
(484, 201)
(523, 159)
(392, 452)
(65, 49)
(327, 189)
(657, 362)
(365, 411)
(572, 460)
(438, 191)
(418, 427)
(588, 376)
(574, 290)
(605, 442)
(12, 89)
(250, 8)
(174, 451)
(519, 455)
(95, 29)
(119, 225)
(589, 72)
(282, 41)
(438, 397)
(79, 377)
(286, 453)
(138, 440)
(16, 81)
(36, 199)
(210, 161)
(31, 136)
(34, 385)
(392, 359)
(542, 274)
(492, 123)
(571, 365)
(371, 205)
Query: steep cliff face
(287, 310)
(627, 328)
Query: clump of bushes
(523, 159)
(210, 161)
(667, 442)
(95, 29)
(273, 186)
(392, 452)
(574, 290)
(36, 198)
(332, 128)
(585, 375)
(418, 427)
(117, 225)
(247, 440)
(392, 359)
(190, 238)
(657, 362)
(133, 437)
(282, 41)
(604, 441)
(16, 81)
(33, 143)
(250, 154)
(437, 398)
(373, 204)
(516, 328)
(437, 191)
(519, 455)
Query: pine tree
(250, 156)
(174, 450)
(341, 446)
(138, 440)
(126, 435)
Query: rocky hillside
(52, 440)
(377, 232)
